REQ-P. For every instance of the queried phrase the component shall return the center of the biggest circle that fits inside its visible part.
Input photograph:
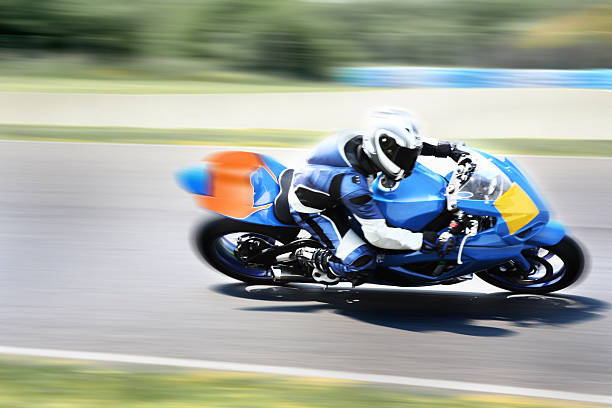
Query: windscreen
(487, 182)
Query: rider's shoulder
(331, 151)
(347, 136)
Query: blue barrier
(408, 77)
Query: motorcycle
(502, 226)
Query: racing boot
(316, 260)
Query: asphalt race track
(95, 256)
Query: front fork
(523, 263)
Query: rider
(338, 177)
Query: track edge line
(303, 372)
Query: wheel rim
(224, 247)
(547, 268)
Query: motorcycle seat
(281, 202)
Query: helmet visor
(403, 157)
(406, 158)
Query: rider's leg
(346, 254)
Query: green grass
(29, 383)
(276, 138)
(145, 76)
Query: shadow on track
(424, 311)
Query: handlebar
(465, 169)
(461, 175)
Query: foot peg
(327, 278)
(458, 279)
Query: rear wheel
(216, 240)
(552, 268)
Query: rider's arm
(357, 198)
(433, 147)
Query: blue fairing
(415, 202)
(197, 179)
(276, 167)
(194, 179)
(266, 189)
(478, 207)
(551, 234)
(422, 194)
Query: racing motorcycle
(502, 226)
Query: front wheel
(215, 240)
(552, 268)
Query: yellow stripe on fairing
(516, 208)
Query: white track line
(305, 372)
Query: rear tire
(207, 240)
(568, 250)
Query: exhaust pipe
(288, 274)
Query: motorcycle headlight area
(487, 183)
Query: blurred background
(208, 39)
(113, 96)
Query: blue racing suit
(334, 184)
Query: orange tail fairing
(232, 193)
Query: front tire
(214, 240)
(563, 264)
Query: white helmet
(392, 142)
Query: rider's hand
(465, 160)
(465, 168)
(443, 243)
(456, 151)
(429, 241)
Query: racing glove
(456, 153)
(443, 243)
(465, 168)
(444, 149)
